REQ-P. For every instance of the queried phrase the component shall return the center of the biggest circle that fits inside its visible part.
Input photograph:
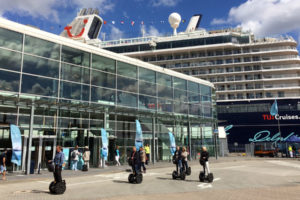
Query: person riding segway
(135, 162)
(205, 174)
(58, 186)
(185, 165)
(177, 160)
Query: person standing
(291, 151)
(59, 161)
(117, 156)
(86, 157)
(143, 158)
(74, 157)
(3, 159)
(147, 151)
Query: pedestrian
(290, 151)
(117, 156)
(184, 156)
(58, 161)
(3, 160)
(143, 158)
(147, 151)
(86, 157)
(74, 158)
(135, 160)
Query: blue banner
(274, 109)
(104, 151)
(66, 155)
(138, 135)
(16, 141)
(172, 143)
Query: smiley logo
(68, 29)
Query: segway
(56, 187)
(188, 171)
(203, 176)
(176, 174)
(135, 178)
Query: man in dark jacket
(59, 161)
(135, 160)
(178, 159)
(204, 159)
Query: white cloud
(151, 31)
(48, 9)
(265, 17)
(168, 3)
(115, 33)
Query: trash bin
(32, 167)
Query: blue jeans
(180, 165)
(74, 164)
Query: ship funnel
(86, 26)
(194, 23)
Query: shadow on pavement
(119, 181)
(40, 192)
(162, 178)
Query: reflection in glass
(179, 83)
(39, 86)
(40, 66)
(147, 75)
(164, 92)
(103, 79)
(9, 81)
(127, 99)
(75, 73)
(207, 111)
(103, 96)
(10, 60)
(180, 95)
(11, 40)
(194, 97)
(127, 84)
(148, 103)
(164, 105)
(126, 70)
(74, 91)
(75, 56)
(41, 47)
(180, 107)
(164, 79)
(193, 87)
(194, 109)
(147, 88)
(104, 64)
(205, 90)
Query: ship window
(11, 39)
(41, 47)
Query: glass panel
(9, 81)
(41, 47)
(194, 97)
(180, 95)
(194, 109)
(147, 88)
(193, 87)
(179, 83)
(205, 90)
(207, 111)
(164, 79)
(127, 70)
(75, 56)
(39, 86)
(104, 64)
(10, 60)
(75, 73)
(74, 91)
(165, 92)
(147, 75)
(181, 108)
(11, 39)
(148, 103)
(103, 79)
(165, 105)
(127, 99)
(40, 66)
(127, 84)
(103, 96)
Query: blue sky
(264, 17)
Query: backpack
(73, 155)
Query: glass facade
(75, 93)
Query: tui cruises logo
(68, 29)
(280, 117)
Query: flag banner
(104, 143)
(66, 152)
(132, 23)
(274, 108)
(122, 22)
(113, 22)
(16, 141)
(138, 135)
(172, 143)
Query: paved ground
(234, 179)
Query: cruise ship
(248, 72)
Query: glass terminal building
(62, 92)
